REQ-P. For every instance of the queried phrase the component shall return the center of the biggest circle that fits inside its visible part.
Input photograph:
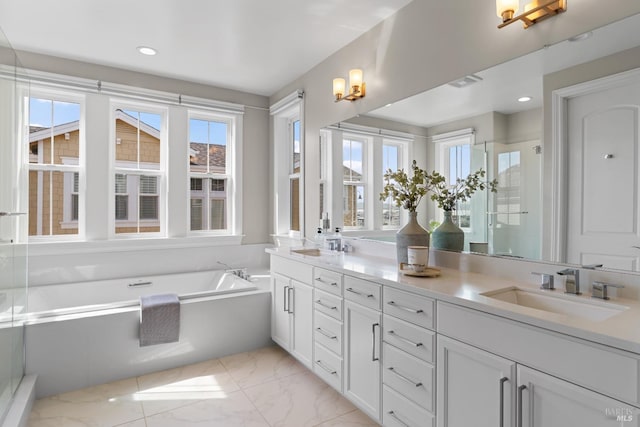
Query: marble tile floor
(261, 388)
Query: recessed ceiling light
(389, 104)
(581, 37)
(524, 99)
(146, 50)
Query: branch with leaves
(405, 191)
(447, 196)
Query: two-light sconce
(534, 12)
(357, 87)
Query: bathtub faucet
(240, 272)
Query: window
(210, 147)
(391, 159)
(353, 194)
(288, 134)
(54, 163)
(294, 175)
(138, 170)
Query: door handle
(285, 296)
(373, 342)
(289, 309)
(520, 390)
(502, 381)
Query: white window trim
(283, 113)
(233, 175)
(372, 156)
(33, 90)
(137, 168)
(99, 96)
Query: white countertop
(621, 330)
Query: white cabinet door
(475, 388)
(550, 402)
(280, 319)
(362, 357)
(301, 307)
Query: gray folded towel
(159, 319)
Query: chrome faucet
(571, 284)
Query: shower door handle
(12, 213)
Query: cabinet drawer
(328, 366)
(327, 280)
(329, 304)
(399, 411)
(602, 369)
(410, 307)
(328, 332)
(293, 269)
(409, 376)
(362, 292)
(413, 339)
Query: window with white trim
(211, 148)
(288, 134)
(138, 169)
(354, 192)
(354, 176)
(54, 162)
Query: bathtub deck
(266, 387)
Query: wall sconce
(534, 12)
(356, 85)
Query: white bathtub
(54, 300)
(82, 334)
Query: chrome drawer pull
(326, 334)
(409, 380)
(393, 415)
(373, 342)
(519, 404)
(321, 280)
(330, 307)
(408, 341)
(402, 307)
(502, 381)
(323, 366)
(359, 293)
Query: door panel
(603, 207)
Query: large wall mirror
(503, 116)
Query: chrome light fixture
(534, 12)
(356, 86)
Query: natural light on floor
(197, 388)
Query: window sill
(129, 245)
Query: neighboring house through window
(54, 163)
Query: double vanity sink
(557, 302)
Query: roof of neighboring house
(198, 154)
(37, 133)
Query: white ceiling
(503, 84)
(257, 46)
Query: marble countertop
(462, 288)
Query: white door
(475, 388)
(280, 317)
(362, 357)
(550, 402)
(603, 206)
(302, 334)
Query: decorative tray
(427, 272)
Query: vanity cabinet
(328, 326)
(292, 308)
(500, 387)
(408, 359)
(362, 323)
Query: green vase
(411, 234)
(448, 236)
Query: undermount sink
(569, 305)
(313, 252)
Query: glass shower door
(13, 247)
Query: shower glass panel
(13, 247)
(514, 217)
